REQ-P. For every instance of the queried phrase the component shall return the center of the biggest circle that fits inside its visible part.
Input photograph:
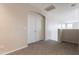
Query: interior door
(35, 28)
(39, 27)
(31, 29)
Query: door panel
(38, 28)
(31, 29)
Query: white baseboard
(13, 50)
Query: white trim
(13, 50)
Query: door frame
(44, 24)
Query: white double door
(35, 28)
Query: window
(69, 26)
(63, 26)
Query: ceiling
(59, 6)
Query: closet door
(40, 28)
(31, 29)
(35, 28)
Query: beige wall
(13, 26)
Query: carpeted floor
(48, 48)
